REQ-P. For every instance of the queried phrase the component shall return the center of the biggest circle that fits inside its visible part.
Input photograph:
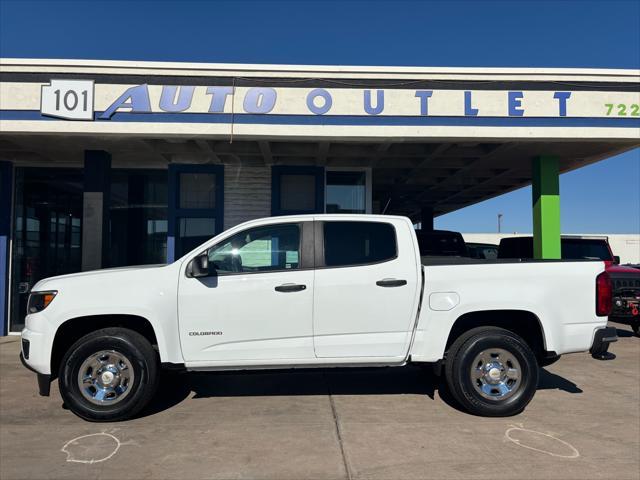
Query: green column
(546, 208)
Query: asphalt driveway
(332, 424)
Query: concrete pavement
(386, 423)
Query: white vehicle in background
(313, 291)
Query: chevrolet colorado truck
(312, 291)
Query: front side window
(357, 243)
(260, 249)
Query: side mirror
(616, 259)
(200, 266)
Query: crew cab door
(367, 285)
(256, 303)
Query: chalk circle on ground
(541, 442)
(92, 448)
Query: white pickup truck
(312, 291)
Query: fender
(165, 349)
(431, 336)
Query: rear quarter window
(357, 243)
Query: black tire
(143, 361)
(635, 326)
(459, 366)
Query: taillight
(604, 294)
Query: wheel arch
(75, 328)
(523, 323)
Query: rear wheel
(491, 372)
(635, 326)
(109, 375)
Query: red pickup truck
(625, 280)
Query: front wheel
(109, 375)
(491, 372)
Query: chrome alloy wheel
(495, 374)
(105, 378)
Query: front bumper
(601, 340)
(39, 333)
(44, 379)
(35, 354)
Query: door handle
(391, 282)
(290, 287)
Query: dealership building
(109, 163)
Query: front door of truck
(367, 286)
(257, 302)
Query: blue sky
(602, 198)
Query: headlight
(38, 301)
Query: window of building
(137, 217)
(197, 190)
(260, 249)
(47, 231)
(356, 243)
(346, 192)
(297, 190)
(196, 206)
(194, 231)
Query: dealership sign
(84, 100)
(70, 99)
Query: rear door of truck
(367, 286)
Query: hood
(46, 283)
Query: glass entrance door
(196, 195)
(138, 217)
(47, 231)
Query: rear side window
(357, 243)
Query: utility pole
(499, 222)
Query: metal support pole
(546, 208)
(426, 218)
(95, 209)
(6, 180)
